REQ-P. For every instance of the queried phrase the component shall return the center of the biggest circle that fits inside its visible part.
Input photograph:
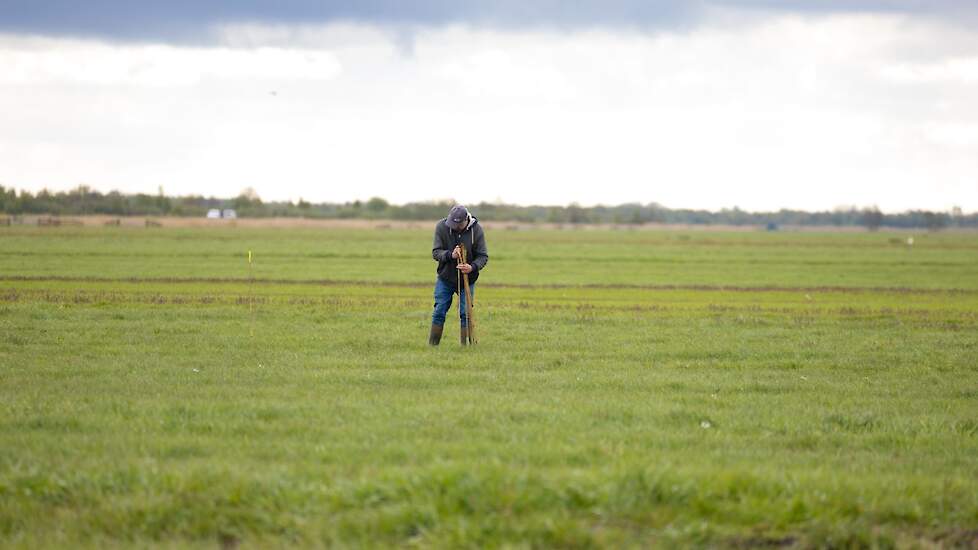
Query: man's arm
(479, 251)
(441, 251)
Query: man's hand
(465, 268)
(457, 253)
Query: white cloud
(951, 71)
(769, 113)
(66, 62)
(964, 136)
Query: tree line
(85, 201)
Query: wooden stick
(458, 280)
(468, 302)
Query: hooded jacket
(474, 241)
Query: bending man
(459, 229)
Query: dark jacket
(474, 241)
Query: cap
(458, 214)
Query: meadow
(630, 389)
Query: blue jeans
(443, 301)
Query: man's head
(458, 218)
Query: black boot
(435, 336)
(465, 335)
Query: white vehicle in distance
(217, 214)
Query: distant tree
(377, 205)
(957, 215)
(78, 201)
(85, 200)
(654, 213)
(734, 216)
(636, 218)
(43, 202)
(872, 218)
(555, 214)
(248, 203)
(114, 204)
(250, 194)
(576, 214)
(162, 201)
(8, 200)
(935, 221)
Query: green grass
(631, 388)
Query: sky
(758, 104)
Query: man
(460, 229)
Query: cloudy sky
(760, 104)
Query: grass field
(630, 388)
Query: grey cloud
(192, 20)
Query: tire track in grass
(581, 310)
(528, 286)
(550, 257)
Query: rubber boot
(435, 336)
(464, 335)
